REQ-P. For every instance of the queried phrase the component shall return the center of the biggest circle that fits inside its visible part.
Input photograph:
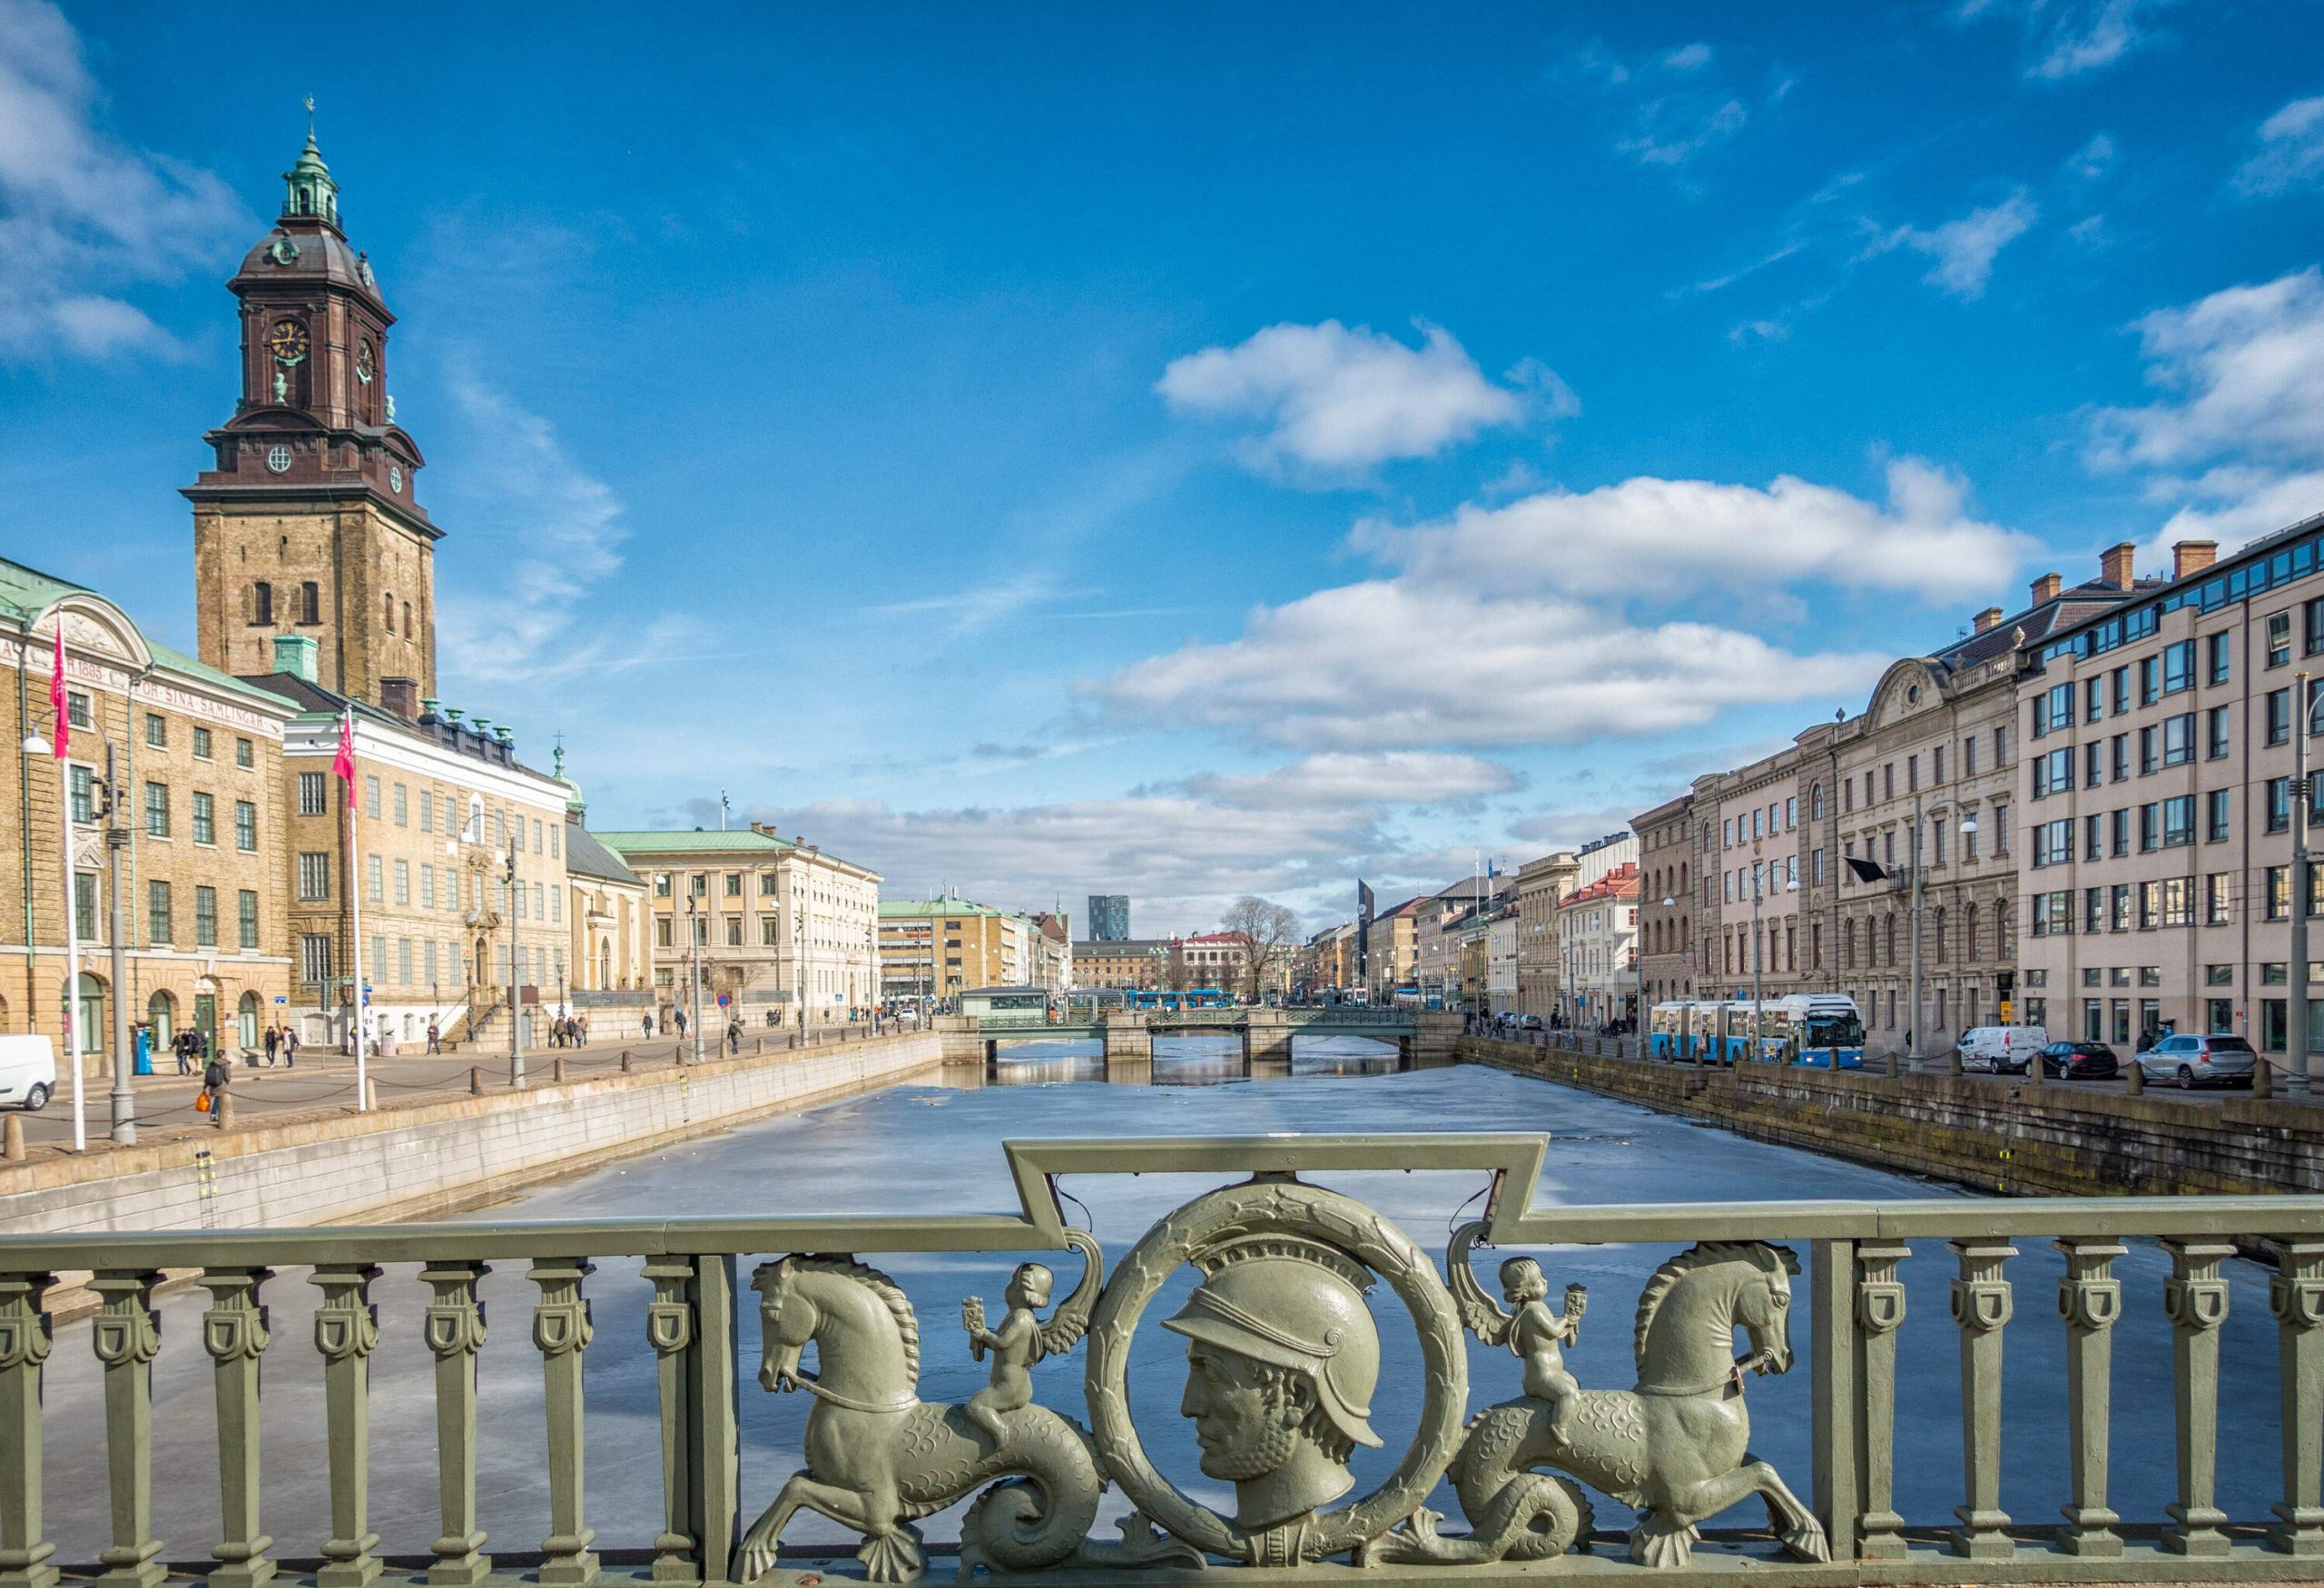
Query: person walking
(181, 1045)
(648, 1023)
(681, 1018)
(273, 1041)
(435, 1038)
(733, 1036)
(289, 1048)
(213, 1087)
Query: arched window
(1816, 803)
(2002, 945)
(1969, 933)
(1888, 949)
(1937, 940)
(388, 603)
(406, 619)
(311, 602)
(246, 1020)
(261, 604)
(162, 1019)
(1847, 947)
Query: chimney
(2045, 588)
(295, 653)
(400, 697)
(2192, 556)
(1987, 618)
(2114, 565)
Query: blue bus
(1823, 1030)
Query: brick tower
(308, 523)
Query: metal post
(1913, 1031)
(2302, 809)
(694, 959)
(1758, 1004)
(124, 1098)
(516, 965)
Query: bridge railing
(1859, 1333)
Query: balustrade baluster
(234, 1333)
(2296, 1295)
(713, 1425)
(347, 1328)
(24, 1341)
(1982, 1307)
(2090, 1299)
(1879, 1313)
(561, 1329)
(127, 1335)
(2195, 1299)
(669, 1328)
(455, 1334)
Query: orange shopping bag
(201, 1103)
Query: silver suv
(2193, 1062)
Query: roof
(1119, 947)
(2065, 609)
(630, 845)
(1621, 883)
(26, 592)
(585, 857)
(909, 909)
(2259, 550)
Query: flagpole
(72, 946)
(354, 903)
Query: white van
(28, 1070)
(2003, 1049)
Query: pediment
(95, 626)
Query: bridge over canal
(1127, 1035)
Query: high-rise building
(1109, 917)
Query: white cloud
(1963, 250)
(1340, 399)
(2092, 159)
(1703, 534)
(1691, 57)
(2291, 151)
(1405, 663)
(1673, 135)
(2245, 368)
(1336, 780)
(83, 217)
(1663, 107)
(2234, 505)
(2072, 38)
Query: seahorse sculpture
(878, 1457)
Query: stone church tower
(308, 523)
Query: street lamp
(693, 964)
(34, 745)
(508, 858)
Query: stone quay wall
(2003, 1136)
(417, 1161)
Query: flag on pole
(59, 702)
(344, 762)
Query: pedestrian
(680, 1017)
(585, 1030)
(435, 1038)
(649, 1023)
(289, 1048)
(213, 1087)
(733, 1036)
(273, 1040)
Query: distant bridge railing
(1281, 1257)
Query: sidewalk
(323, 1084)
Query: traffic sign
(724, 999)
(279, 999)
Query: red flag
(344, 762)
(57, 697)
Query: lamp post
(2303, 810)
(34, 744)
(123, 1097)
(694, 966)
(508, 858)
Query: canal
(935, 1147)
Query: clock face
(278, 459)
(287, 341)
(395, 479)
(363, 363)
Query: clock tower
(308, 523)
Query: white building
(1501, 963)
(1597, 943)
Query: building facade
(1109, 917)
(1392, 950)
(612, 944)
(1540, 883)
(1750, 905)
(1132, 964)
(1501, 963)
(938, 947)
(1597, 949)
(2156, 882)
(1668, 905)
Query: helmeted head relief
(1295, 1304)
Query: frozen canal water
(935, 1148)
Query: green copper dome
(309, 188)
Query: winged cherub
(1534, 1333)
(1021, 1340)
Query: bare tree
(1266, 933)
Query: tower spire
(308, 187)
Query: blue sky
(1185, 451)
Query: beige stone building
(2156, 875)
(939, 948)
(612, 942)
(197, 760)
(1667, 849)
(1050, 942)
(1939, 743)
(1540, 883)
(775, 924)
(1132, 964)
(1392, 950)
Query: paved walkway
(323, 1085)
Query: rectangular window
(159, 927)
(2150, 680)
(157, 810)
(2150, 897)
(205, 917)
(246, 826)
(427, 886)
(85, 905)
(1969, 757)
(2120, 677)
(2219, 905)
(375, 879)
(2094, 699)
(2178, 821)
(314, 794)
(84, 783)
(205, 819)
(314, 874)
(2148, 743)
(2279, 892)
(2120, 747)
(370, 797)
(2177, 666)
(403, 882)
(245, 753)
(2150, 827)
(2312, 622)
(2215, 816)
(2093, 910)
(2279, 803)
(2001, 830)
(734, 883)
(403, 960)
(2278, 716)
(157, 732)
(2279, 638)
(427, 810)
(2178, 739)
(2094, 762)
(661, 884)
(2042, 914)
(246, 917)
(734, 932)
(202, 744)
(402, 807)
(2218, 654)
(314, 959)
(2093, 837)
(2215, 732)
(76, 709)
(2121, 831)
(662, 932)
(555, 905)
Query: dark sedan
(2080, 1061)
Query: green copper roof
(629, 845)
(26, 593)
(908, 909)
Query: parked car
(27, 1071)
(2193, 1062)
(2003, 1049)
(2080, 1061)
(1532, 1023)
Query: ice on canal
(935, 1148)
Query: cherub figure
(1022, 1338)
(1535, 1334)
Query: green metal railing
(1852, 1277)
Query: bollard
(2134, 1078)
(624, 1061)
(556, 1071)
(2260, 1085)
(370, 1094)
(758, 1046)
(476, 1080)
(12, 1140)
(222, 1109)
